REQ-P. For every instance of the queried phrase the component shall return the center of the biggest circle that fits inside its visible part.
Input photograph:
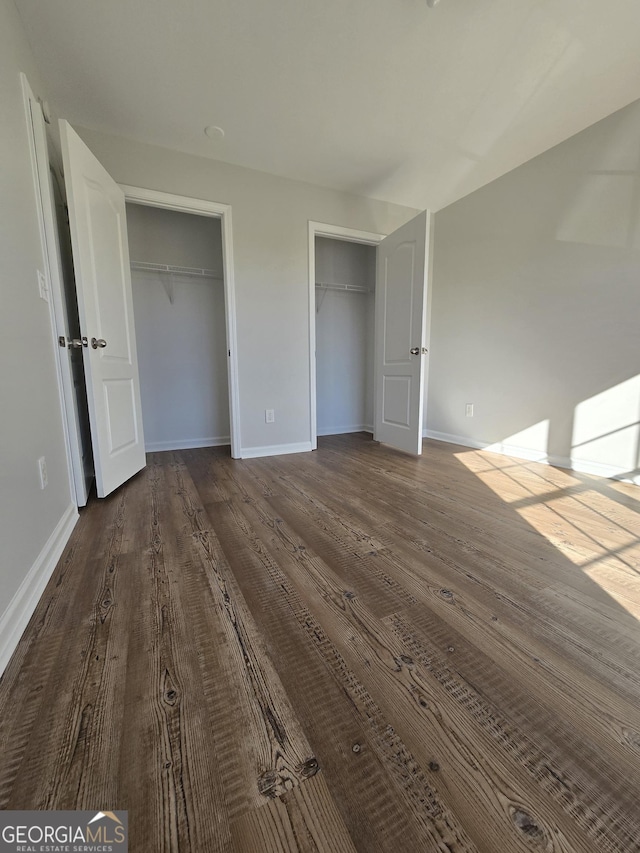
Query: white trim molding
(343, 430)
(184, 204)
(187, 443)
(275, 450)
(16, 617)
(596, 469)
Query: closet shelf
(350, 288)
(174, 270)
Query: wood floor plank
(500, 587)
(277, 752)
(351, 649)
(613, 659)
(620, 721)
(493, 799)
(489, 532)
(386, 798)
(544, 741)
(304, 820)
(175, 797)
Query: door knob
(98, 342)
(415, 350)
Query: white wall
(30, 422)
(270, 231)
(182, 346)
(170, 237)
(536, 305)
(344, 337)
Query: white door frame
(184, 204)
(38, 149)
(337, 232)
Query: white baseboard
(611, 472)
(453, 439)
(275, 450)
(16, 617)
(187, 444)
(344, 430)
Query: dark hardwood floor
(344, 650)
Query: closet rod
(174, 270)
(350, 288)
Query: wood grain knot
(170, 694)
(434, 766)
(526, 824)
(446, 593)
(273, 783)
(631, 737)
(308, 768)
(106, 603)
(268, 784)
(348, 594)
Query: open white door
(103, 280)
(401, 314)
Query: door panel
(101, 261)
(401, 303)
(120, 403)
(396, 401)
(398, 304)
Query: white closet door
(103, 280)
(401, 309)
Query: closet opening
(342, 272)
(177, 278)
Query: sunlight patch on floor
(593, 531)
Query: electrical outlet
(269, 416)
(42, 286)
(42, 468)
(469, 410)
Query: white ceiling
(384, 98)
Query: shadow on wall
(536, 300)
